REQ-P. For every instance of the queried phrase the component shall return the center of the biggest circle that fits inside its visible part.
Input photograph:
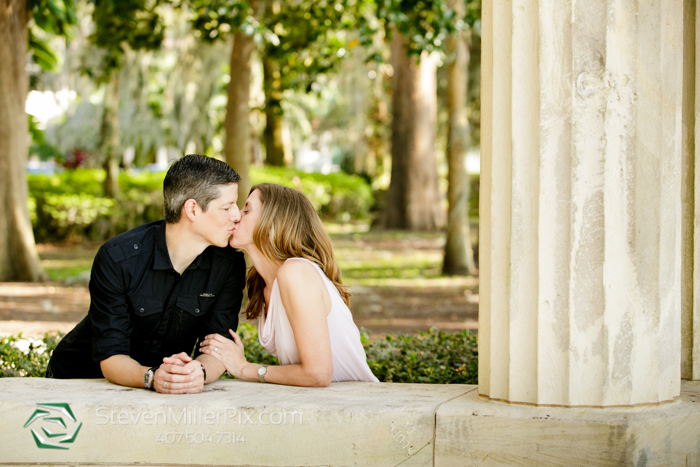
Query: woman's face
(243, 230)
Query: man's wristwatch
(149, 377)
(262, 371)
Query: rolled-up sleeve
(224, 313)
(109, 310)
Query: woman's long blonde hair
(289, 227)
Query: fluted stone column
(580, 238)
(690, 281)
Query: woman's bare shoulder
(295, 272)
(298, 280)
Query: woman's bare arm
(307, 302)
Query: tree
(413, 199)
(214, 20)
(275, 147)
(19, 260)
(459, 255)
(418, 28)
(237, 144)
(300, 43)
(303, 41)
(118, 25)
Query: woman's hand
(227, 352)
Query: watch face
(262, 371)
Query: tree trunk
(237, 146)
(274, 141)
(19, 260)
(459, 255)
(109, 133)
(413, 198)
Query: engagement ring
(215, 349)
(165, 385)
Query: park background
(371, 108)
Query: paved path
(34, 309)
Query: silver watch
(149, 376)
(262, 371)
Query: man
(160, 288)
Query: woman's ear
(190, 209)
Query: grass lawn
(64, 261)
(395, 278)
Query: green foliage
(66, 205)
(49, 18)
(64, 215)
(424, 23)
(473, 13)
(336, 196)
(431, 357)
(54, 16)
(132, 23)
(306, 40)
(434, 357)
(87, 181)
(254, 351)
(213, 19)
(145, 181)
(302, 40)
(134, 207)
(26, 357)
(72, 205)
(474, 196)
(39, 145)
(42, 53)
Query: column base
(471, 430)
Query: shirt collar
(162, 257)
(203, 261)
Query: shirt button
(196, 310)
(136, 247)
(141, 310)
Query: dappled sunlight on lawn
(64, 261)
(394, 276)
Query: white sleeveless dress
(349, 359)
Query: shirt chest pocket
(194, 306)
(188, 319)
(146, 307)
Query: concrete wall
(93, 422)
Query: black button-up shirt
(141, 307)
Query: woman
(295, 291)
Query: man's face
(217, 222)
(245, 226)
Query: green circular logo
(55, 425)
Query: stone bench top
(241, 423)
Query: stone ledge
(239, 423)
(231, 423)
(471, 430)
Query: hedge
(71, 204)
(431, 357)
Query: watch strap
(151, 379)
(262, 371)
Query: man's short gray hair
(194, 177)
